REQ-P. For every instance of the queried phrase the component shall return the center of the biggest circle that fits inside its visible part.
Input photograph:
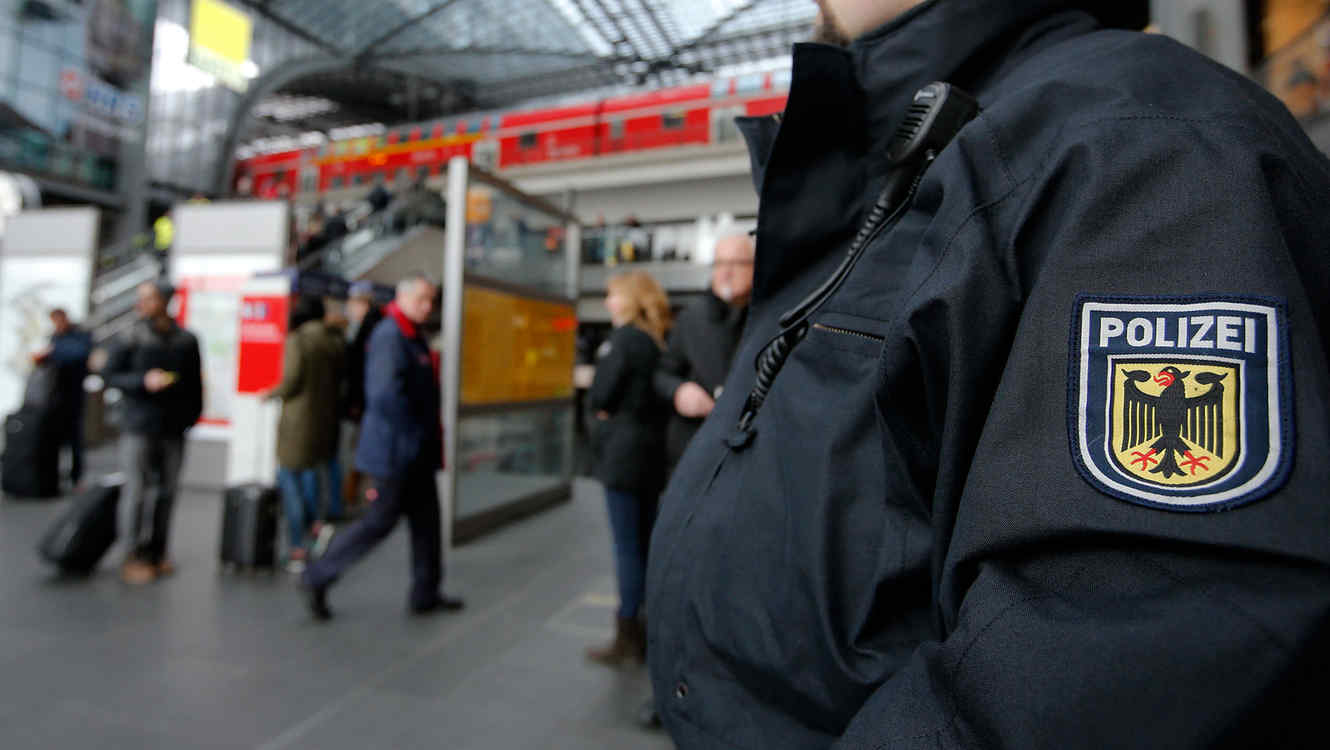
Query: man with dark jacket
(158, 370)
(702, 342)
(948, 508)
(401, 448)
(364, 314)
(68, 353)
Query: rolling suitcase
(249, 526)
(30, 466)
(81, 537)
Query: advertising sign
(262, 330)
(95, 56)
(46, 263)
(219, 37)
(210, 308)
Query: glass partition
(510, 319)
(514, 238)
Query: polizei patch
(1180, 403)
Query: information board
(515, 348)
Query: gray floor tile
(209, 659)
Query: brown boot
(628, 646)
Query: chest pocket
(797, 522)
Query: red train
(695, 115)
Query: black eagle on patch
(1172, 416)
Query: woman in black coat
(628, 438)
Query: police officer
(1025, 442)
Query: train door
(723, 129)
(485, 154)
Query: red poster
(262, 335)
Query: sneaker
(138, 573)
(322, 539)
(295, 561)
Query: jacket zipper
(848, 332)
(794, 323)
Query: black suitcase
(81, 537)
(249, 526)
(30, 466)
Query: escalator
(380, 251)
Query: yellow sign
(219, 37)
(515, 348)
(479, 205)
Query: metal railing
(113, 288)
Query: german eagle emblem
(1177, 435)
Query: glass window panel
(514, 242)
(506, 457)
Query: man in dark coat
(927, 518)
(68, 353)
(702, 342)
(364, 314)
(158, 369)
(401, 448)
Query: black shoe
(440, 604)
(316, 597)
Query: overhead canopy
(453, 55)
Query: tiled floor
(214, 660)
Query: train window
(528, 140)
(422, 171)
(616, 129)
(358, 179)
(335, 183)
(672, 121)
(309, 183)
(748, 84)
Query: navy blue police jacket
(1048, 470)
(400, 428)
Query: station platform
(208, 659)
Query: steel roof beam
(613, 43)
(655, 20)
(481, 50)
(613, 19)
(259, 88)
(264, 8)
(424, 15)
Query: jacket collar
(404, 324)
(844, 104)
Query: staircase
(120, 270)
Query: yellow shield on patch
(1174, 422)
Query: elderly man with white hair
(401, 447)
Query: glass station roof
(499, 52)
